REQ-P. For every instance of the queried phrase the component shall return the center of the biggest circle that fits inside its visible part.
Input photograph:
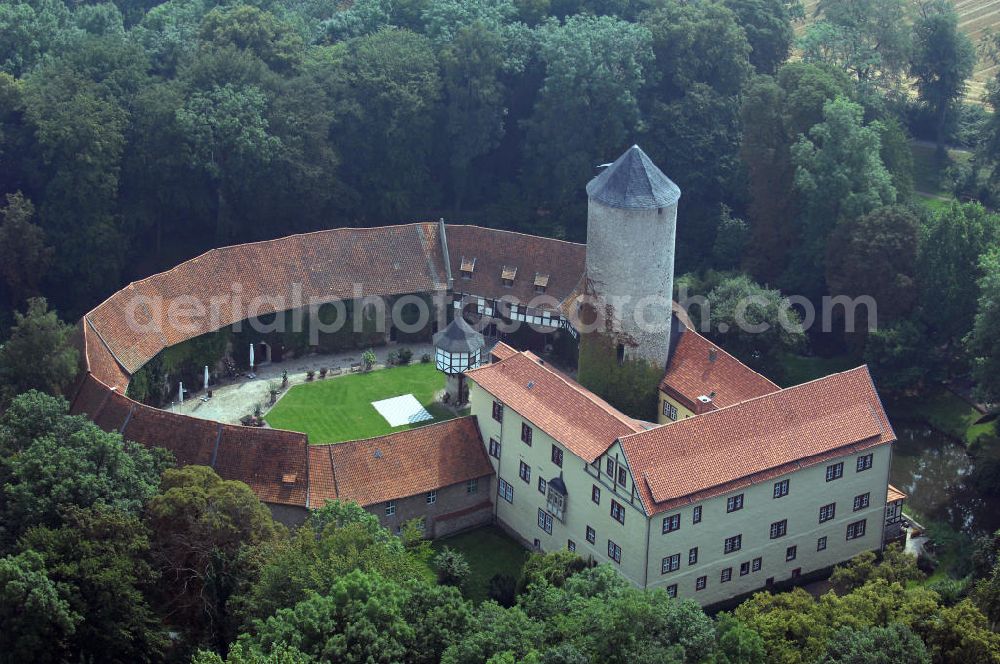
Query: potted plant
(392, 358)
(425, 358)
(368, 359)
(405, 355)
(273, 391)
(322, 372)
(310, 374)
(284, 379)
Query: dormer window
(507, 276)
(468, 267)
(541, 282)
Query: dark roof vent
(378, 454)
(712, 354)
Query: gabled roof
(634, 182)
(496, 251)
(894, 494)
(722, 450)
(398, 465)
(583, 422)
(698, 367)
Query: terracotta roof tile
(322, 484)
(116, 412)
(774, 433)
(90, 398)
(583, 422)
(692, 372)
(262, 458)
(502, 351)
(894, 495)
(190, 439)
(498, 252)
(99, 360)
(406, 463)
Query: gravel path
(231, 402)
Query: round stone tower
(631, 228)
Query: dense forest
(135, 134)
(138, 133)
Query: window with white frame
(614, 552)
(696, 514)
(524, 472)
(727, 575)
(693, 555)
(672, 590)
(827, 512)
(865, 462)
(734, 543)
(862, 501)
(670, 564)
(821, 543)
(595, 494)
(591, 535)
(781, 489)
(542, 485)
(790, 553)
(610, 467)
(744, 568)
(856, 529)
(557, 456)
(498, 411)
(505, 490)
(544, 520)
(834, 471)
(622, 476)
(432, 497)
(734, 503)
(570, 546)
(755, 564)
(617, 512)
(390, 507)
(669, 410)
(779, 528)
(700, 583)
(526, 434)
(494, 448)
(472, 486)
(671, 523)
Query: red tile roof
(399, 465)
(495, 251)
(698, 457)
(583, 422)
(894, 494)
(692, 372)
(263, 458)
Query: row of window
(495, 448)
(735, 503)
(472, 486)
(855, 530)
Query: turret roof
(633, 181)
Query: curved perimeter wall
(129, 328)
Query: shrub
(392, 358)
(322, 372)
(405, 355)
(452, 568)
(310, 374)
(368, 359)
(502, 589)
(425, 358)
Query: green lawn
(488, 551)
(340, 408)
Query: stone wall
(451, 511)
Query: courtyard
(333, 410)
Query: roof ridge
(781, 391)
(510, 232)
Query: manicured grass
(801, 369)
(488, 551)
(340, 408)
(944, 412)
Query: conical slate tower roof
(634, 182)
(459, 337)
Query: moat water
(933, 470)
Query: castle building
(731, 485)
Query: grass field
(339, 409)
(488, 551)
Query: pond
(933, 470)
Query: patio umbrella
(180, 393)
(206, 377)
(251, 357)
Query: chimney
(712, 354)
